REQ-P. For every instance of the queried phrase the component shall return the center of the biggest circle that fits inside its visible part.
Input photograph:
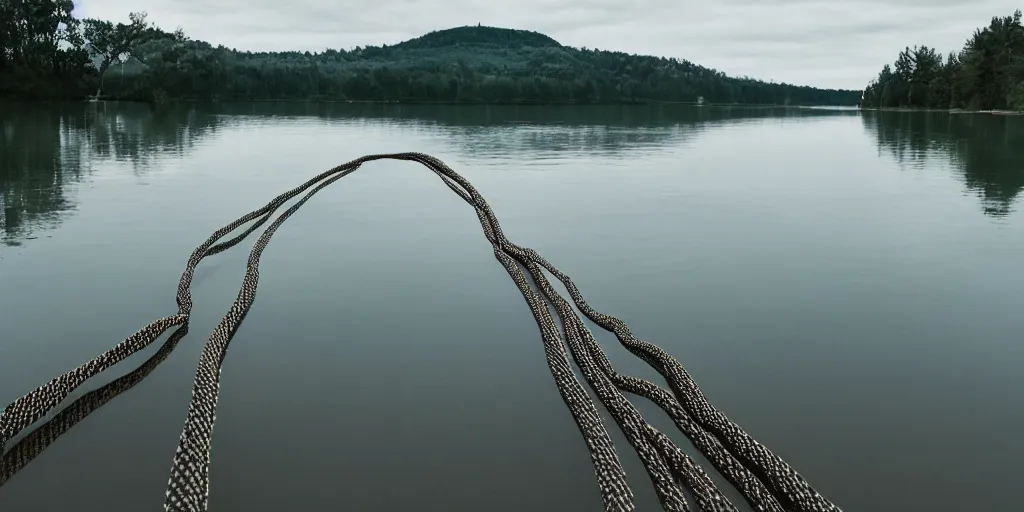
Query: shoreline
(424, 102)
(994, 112)
(636, 102)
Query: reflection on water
(988, 150)
(782, 255)
(134, 131)
(46, 150)
(624, 116)
(40, 157)
(539, 132)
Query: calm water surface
(846, 286)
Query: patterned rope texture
(41, 438)
(766, 482)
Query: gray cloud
(826, 43)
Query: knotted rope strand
(766, 482)
(33, 444)
(789, 486)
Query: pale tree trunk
(103, 71)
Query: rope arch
(767, 483)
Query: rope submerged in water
(765, 481)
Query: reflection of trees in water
(39, 159)
(987, 149)
(534, 131)
(627, 116)
(611, 131)
(134, 132)
(46, 149)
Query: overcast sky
(824, 43)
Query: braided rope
(32, 445)
(790, 488)
(766, 482)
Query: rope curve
(766, 482)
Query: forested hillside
(987, 74)
(48, 53)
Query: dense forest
(987, 74)
(47, 53)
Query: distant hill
(472, 64)
(480, 35)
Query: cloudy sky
(825, 43)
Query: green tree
(926, 69)
(40, 49)
(114, 43)
(988, 73)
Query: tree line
(987, 74)
(46, 52)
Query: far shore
(949, 111)
(637, 102)
(527, 103)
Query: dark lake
(846, 286)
